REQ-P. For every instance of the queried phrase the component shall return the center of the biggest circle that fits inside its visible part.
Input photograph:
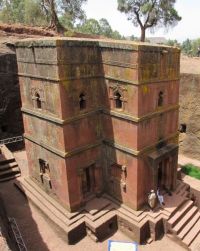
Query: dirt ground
(41, 235)
(190, 64)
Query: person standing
(160, 198)
(152, 199)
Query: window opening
(44, 167)
(38, 101)
(118, 101)
(82, 101)
(160, 99)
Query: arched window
(38, 101)
(82, 101)
(118, 101)
(160, 99)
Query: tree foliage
(90, 26)
(173, 42)
(190, 47)
(41, 12)
(187, 47)
(149, 14)
(70, 10)
(101, 27)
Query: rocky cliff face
(10, 115)
(189, 116)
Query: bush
(191, 170)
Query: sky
(188, 27)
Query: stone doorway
(160, 174)
(88, 180)
(164, 174)
(163, 164)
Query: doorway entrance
(160, 175)
(88, 180)
(164, 175)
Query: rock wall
(11, 123)
(189, 116)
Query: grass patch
(192, 171)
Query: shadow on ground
(17, 207)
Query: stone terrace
(179, 217)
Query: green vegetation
(64, 16)
(190, 47)
(149, 14)
(50, 13)
(191, 170)
(101, 27)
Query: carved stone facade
(102, 116)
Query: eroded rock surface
(190, 115)
(10, 103)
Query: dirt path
(190, 65)
(183, 160)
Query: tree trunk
(143, 31)
(54, 22)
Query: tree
(195, 46)
(101, 27)
(187, 47)
(105, 27)
(149, 14)
(117, 35)
(34, 11)
(53, 8)
(90, 26)
(33, 14)
(12, 11)
(172, 42)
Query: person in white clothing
(152, 199)
(160, 198)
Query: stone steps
(182, 187)
(192, 234)
(195, 245)
(14, 176)
(101, 213)
(124, 207)
(73, 232)
(190, 224)
(27, 182)
(43, 205)
(49, 203)
(9, 170)
(187, 217)
(7, 166)
(180, 212)
(184, 224)
(74, 227)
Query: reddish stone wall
(58, 172)
(116, 140)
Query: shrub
(191, 170)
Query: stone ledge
(100, 213)
(113, 113)
(98, 143)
